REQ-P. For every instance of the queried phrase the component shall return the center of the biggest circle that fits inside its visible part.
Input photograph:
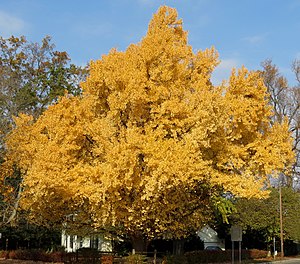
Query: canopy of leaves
(32, 76)
(151, 142)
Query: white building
(74, 242)
(210, 238)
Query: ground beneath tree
(18, 261)
(287, 260)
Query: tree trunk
(178, 246)
(15, 208)
(139, 243)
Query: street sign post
(236, 235)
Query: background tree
(150, 145)
(286, 103)
(261, 217)
(32, 76)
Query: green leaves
(263, 214)
(33, 76)
(224, 207)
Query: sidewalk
(278, 261)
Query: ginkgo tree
(151, 143)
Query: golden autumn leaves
(151, 140)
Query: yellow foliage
(150, 139)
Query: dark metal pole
(232, 252)
(240, 252)
(281, 222)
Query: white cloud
(223, 70)
(10, 24)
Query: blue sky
(245, 32)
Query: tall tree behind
(285, 100)
(262, 215)
(32, 76)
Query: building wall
(74, 242)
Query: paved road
(286, 261)
(292, 261)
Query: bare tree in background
(286, 102)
